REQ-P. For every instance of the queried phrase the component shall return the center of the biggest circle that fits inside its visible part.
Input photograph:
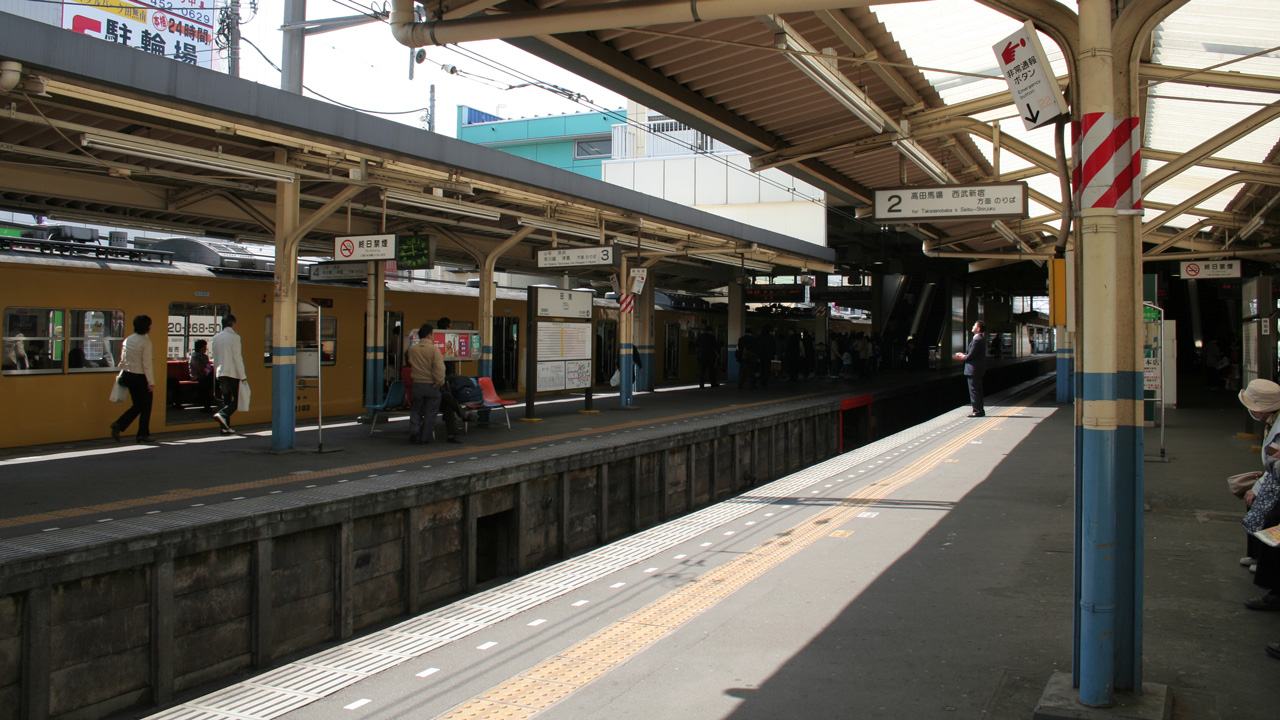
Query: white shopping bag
(242, 402)
(119, 393)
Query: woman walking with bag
(137, 376)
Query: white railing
(662, 138)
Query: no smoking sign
(1211, 269)
(362, 248)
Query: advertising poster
(182, 30)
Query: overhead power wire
(251, 44)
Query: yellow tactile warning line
(189, 494)
(539, 687)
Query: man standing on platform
(229, 360)
(428, 376)
(975, 363)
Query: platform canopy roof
(924, 73)
(98, 133)
(850, 96)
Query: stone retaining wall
(133, 623)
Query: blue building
(578, 143)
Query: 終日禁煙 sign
(952, 202)
(578, 256)
(181, 30)
(361, 248)
(1210, 269)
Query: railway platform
(926, 574)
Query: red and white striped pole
(1108, 163)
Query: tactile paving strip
(614, 644)
(271, 695)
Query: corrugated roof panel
(1202, 34)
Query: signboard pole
(1153, 365)
(586, 407)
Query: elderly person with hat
(1262, 398)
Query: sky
(366, 68)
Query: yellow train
(68, 306)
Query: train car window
(306, 339)
(33, 341)
(189, 322)
(96, 339)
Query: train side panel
(63, 406)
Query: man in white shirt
(226, 354)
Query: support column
(374, 330)
(644, 333)
(1104, 315)
(489, 293)
(737, 325)
(626, 342)
(284, 309)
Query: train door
(187, 400)
(393, 347)
(506, 354)
(606, 350)
(671, 351)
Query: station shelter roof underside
(125, 139)
(1206, 85)
(1205, 78)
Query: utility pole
(233, 39)
(295, 15)
(431, 110)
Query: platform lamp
(169, 152)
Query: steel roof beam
(1186, 206)
(1210, 146)
(843, 26)
(1209, 78)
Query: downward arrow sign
(1032, 116)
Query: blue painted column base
(1065, 376)
(283, 401)
(1098, 569)
(626, 378)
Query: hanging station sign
(993, 201)
(578, 256)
